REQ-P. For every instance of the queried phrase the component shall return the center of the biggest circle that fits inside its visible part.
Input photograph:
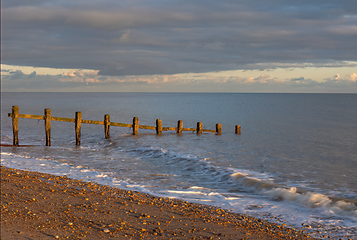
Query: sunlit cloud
(353, 77)
(202, 82)
(81, 76)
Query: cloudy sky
(179, 45)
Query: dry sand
(42, 206)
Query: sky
(306, 46)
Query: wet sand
(43, 206)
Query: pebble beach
(42, 206)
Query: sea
(294, 163)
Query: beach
(42, 206)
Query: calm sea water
(294, 162)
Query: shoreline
(37, 205)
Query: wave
(202, 171)
(303, 198)
(186, 165)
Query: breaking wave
(292, 194)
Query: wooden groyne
(47, 117)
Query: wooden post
(107, 126)
(158, 126)
(48, 126)
(179, 126)
(78, 123)
(135, 126)
(15, 125)
(199, 128)
(218, 129)
(237, 131)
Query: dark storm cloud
(166, 37)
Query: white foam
(185, 192)
(314, 200)
(101, 175)
(307, 199)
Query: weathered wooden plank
(121, 124)
(38, 117)
(158, 126)
(15, 125)
(208, 130)
(147, 127)
(61, 119)
(48, 126)
(29, 116)
(135, 125)
(78, 122)
(169, 129)
(107, 126)
(11, 145)
(93, 122)
(189, 129)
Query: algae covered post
(219, 129)
(158, 126)
(48, 126)
(199, 128)
(107, 126)
(78, 123)
(135, 125)
(15, 125)
(179, 126)
(237, 129)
